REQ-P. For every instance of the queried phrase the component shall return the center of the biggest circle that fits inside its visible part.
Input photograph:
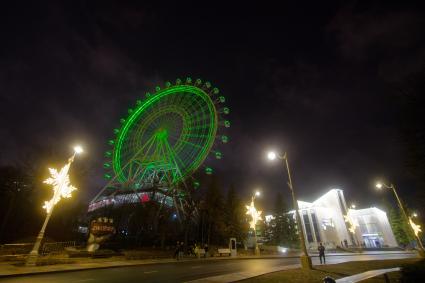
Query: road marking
(152, 271)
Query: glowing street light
(408, 220)
(255, 216)
(62, 188)
(353, 206)
(416, 228)
(351, 221)
(305, 258)
(415, 214)
(78, 149)
(271, 155)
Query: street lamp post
(62, 189)
(305, 258)
(392, 187)
(255, 215)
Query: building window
(315, 227)
(307, 227)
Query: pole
(305, 259)
(32, 258)
(257, 250)
(421, 247)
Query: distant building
(323, 221)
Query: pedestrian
(196, 250)
(206, 250)
(321, 250)
(177, 250)
(181, 251)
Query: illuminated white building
(323, 221)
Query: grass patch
(339, 270)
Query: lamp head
(271, 155)
(378, 185)
(257, 193)
(78, 149)
(353, 206)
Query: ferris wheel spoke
(174, 156)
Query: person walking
(206, 250)
(177, 251)
(181, 251)
(321, 250)
(196, 250)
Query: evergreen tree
(214, 213)
(282, 226)
(234, 216)
(401, 230)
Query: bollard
(328, 279)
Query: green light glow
(173, 130)
(218, 155)
(208, 170)
(227, 124)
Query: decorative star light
(350, 220)
(416, 228)
(255, 214)
(61, 185)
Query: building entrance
(373, 241)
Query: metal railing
(56, 247)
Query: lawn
(337, 271)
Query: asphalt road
(181, 271)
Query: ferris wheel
(164, 139)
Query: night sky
(313, 78)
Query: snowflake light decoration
(350, 220)
(255, 214)
(61, 185)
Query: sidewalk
(9, 270)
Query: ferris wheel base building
(323, 221)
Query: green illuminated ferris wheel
(167, 136)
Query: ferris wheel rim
(131, 121)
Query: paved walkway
(232, 277)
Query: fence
(56, 247)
